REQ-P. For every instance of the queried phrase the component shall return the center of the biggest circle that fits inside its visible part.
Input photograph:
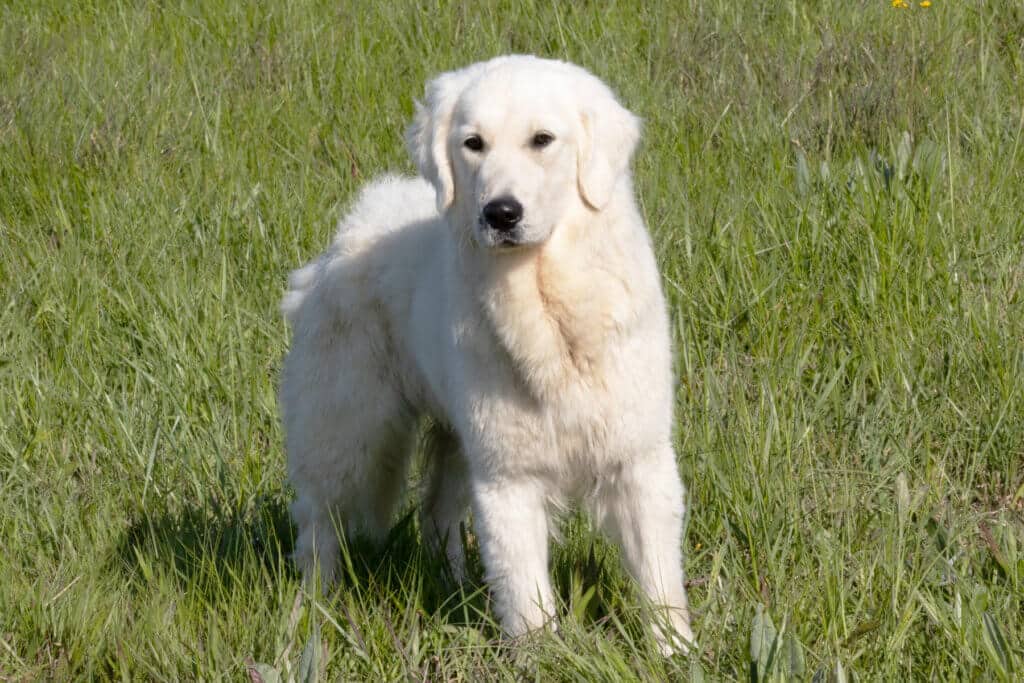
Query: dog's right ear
(427, 136)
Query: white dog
(511, 295)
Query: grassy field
(836, 191)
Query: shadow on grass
(201, 548)
(202, 543)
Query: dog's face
(516, 145)
(513, 161)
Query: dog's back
(360, 259)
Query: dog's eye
(542, 140)
(474, 143)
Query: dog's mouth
(501, 239)
(507, 243)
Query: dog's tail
(300, 283)
(388, 204)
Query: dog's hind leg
(351, 485)
(348, 436)
(386, 479)
(447, 497)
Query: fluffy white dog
(511, 295)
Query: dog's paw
(675, 641)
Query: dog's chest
(558, 326)
(576, 432)
(560, 367)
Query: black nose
(503, 213)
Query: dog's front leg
(643, 510)
(512, 526)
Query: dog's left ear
(610, 134)
(427, 135)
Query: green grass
(836, 194)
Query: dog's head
(514, 145)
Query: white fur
(545, 367)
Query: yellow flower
(900, 3)
(925, 3)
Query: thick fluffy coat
(511, 295)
